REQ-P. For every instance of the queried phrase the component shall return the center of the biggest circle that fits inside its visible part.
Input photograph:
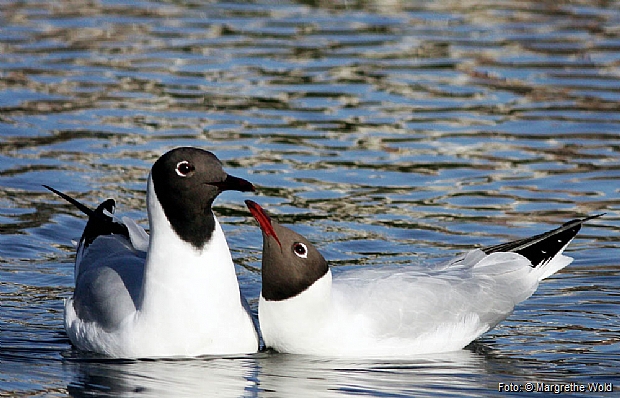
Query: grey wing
(108, 267)
(413, 302)
(109, 282)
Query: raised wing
(100, 221)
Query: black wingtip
(103, 224)
(98, 222)
(540, 249)
(583, 220)
(83, 208)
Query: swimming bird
(173, 293)
(394, 312)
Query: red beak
(264, 221)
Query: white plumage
(174, 293)
(401, 312)
(394, 312)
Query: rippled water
(387, 132)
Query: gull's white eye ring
(300, 250)
(184, 168)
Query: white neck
(284, 324)
(191, 286)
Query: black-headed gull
(394, 312)
(174, 293)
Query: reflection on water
(462, 373)
(277, 375)
(290, 375)
(163, 378)
(386, 132)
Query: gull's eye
(300, 250)
(184, 168)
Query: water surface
(387, 133)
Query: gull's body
(394, 312)
(174, 293)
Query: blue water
(387, 133)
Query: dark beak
(232, 183)
(264, 221)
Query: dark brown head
(291, 264)
(186, 181)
